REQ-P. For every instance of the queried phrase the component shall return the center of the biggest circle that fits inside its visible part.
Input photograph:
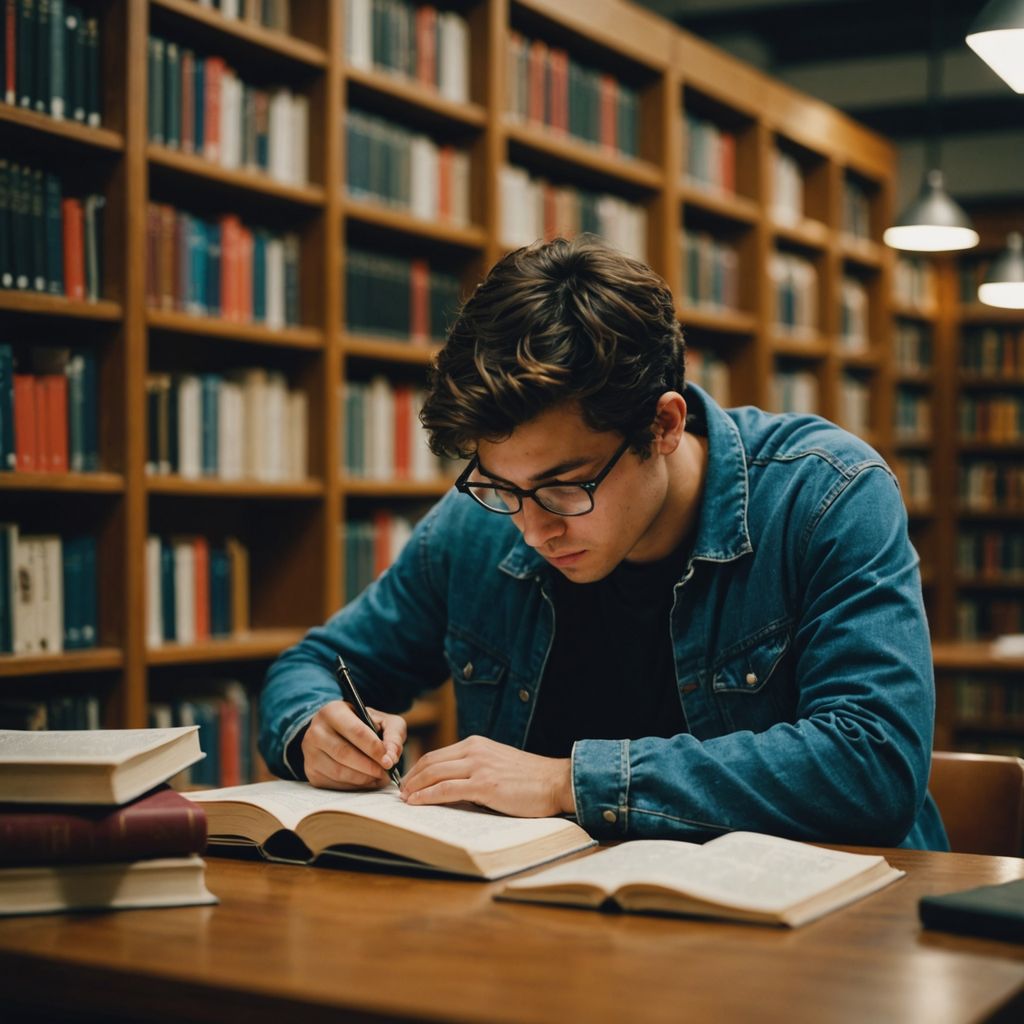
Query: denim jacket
(802, 652)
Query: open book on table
(741, 876)
(297, 823)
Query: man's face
(558, 445)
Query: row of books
(711, 372)
(240, 425)
(912, 415)
(533, 208)
(275, 14)
(710, 156)
(398, 297)
(787, 189)
(988, 617)
(915, 284)
(915, 476)
(221, 268)
(985, 700)
(998, 417)
(987, 484)
(912, 347)
(711, 271)
(370, 546)
(998, 351)
(794, 391)
(991, 554)
(48, 592)
(413, 41)
(795, 288)
(382, 438)
(48, 417)
(200, 105)
(195, 589)
(855, 404)
(854, 327)
(50, 59)
(226, 716)
(406, 170)
(545, 85)
(49, 242)
(856, 209)
(34, 715)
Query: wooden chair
(981, 800)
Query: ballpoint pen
(345, 680)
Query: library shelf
(798, 348)
(993, 514)
(254, 645)
(979, 313)
(919, 378)
(387, 351)
(972, 656)
(981, 582)
(79, 483)
(924, 314)
(362, 488)
(989, 381)
(58, 305)
(863, 360)
(994, 447)
(461, 236)
(255, 333)
(64, 131)
(920, 510)
(709, 318)
(269, 40)
(602, 161)
(728, 205)
(997, 725)
(95, 659)
(861, 251)
(211, 487)
(416, 96)
(188, 164)
(809, 234)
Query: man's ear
(669, 422)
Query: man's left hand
(494, 775)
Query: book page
(83, 746)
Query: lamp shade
(997, 36)
(1004, 283)
(933, 222)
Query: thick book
(133, 885)
(991, 911)
(741, 876)
(96, 766)
(296, 823)
(161, 823)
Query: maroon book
(161, 823)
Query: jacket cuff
(600, 784)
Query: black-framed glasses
(562, 499)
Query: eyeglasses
(562, 499)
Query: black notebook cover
(992, 911)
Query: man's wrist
(566, 798)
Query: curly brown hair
(563, 321)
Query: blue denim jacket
(801, 649)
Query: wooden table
(292, 944)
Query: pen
(360, 708)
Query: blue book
(90, 412)
(167, 602)
(220, 592)
(213, 251)
(89, 591)
(73, 593)
(259, 275)
(209, 425)
(7, 458)
(196, 298)
(207, 717)
(54, 236)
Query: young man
(662, 617)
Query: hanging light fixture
(1004, 283)
(934, 221)
(997, 36)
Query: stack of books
(86, 822)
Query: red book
(229, 227)
(536, 64)
(211, 112)
(26, 424)
(419, 302)
(55, 389)
(162, 823)
(74, 248)
(403, 430)
(426, 44)
(188, 110)
(230, 754)
(381, 541)
(10, 55)
(608, 91)
(559, 90)
(201, 560)
(445, 157)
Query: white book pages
(359, 33)
(424, 177)
(254, 388)
(49, 558)
(298, 435)
(380, 429)
(300, 139)
(184, 590)
(276, 436)
(190, 454)
(275, 283)
(26, 600)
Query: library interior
(234, 236)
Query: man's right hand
(341, 752)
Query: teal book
(220, 592)
(26, 65)
(58, 60)
(7, 459)
(93, 115)
(990, 911)
(38, 221)
(73, 593)
(6, 228)
(74, 41)
(54, 236)
(167, 602)
(155, 111)
(41, 88)
(199, 101)
(94, 207)
(259, 274)
(172, 95)
(89, 592)
(209, 427)
(21, 225)
(90, 413)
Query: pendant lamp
(997, 36)
(1004, 283)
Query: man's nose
(538, 524)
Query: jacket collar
(722, 532)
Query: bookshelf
(662, 139)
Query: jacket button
(467, 670)
(610, 816)
(524, 695)
(751, 679)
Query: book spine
(8, 457)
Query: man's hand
(341, 752)
(492, 774)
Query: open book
(741, 876)
(297, 823)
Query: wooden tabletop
(309, 945)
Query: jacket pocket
(753, 684)
(477, 673)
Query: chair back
(981, 800)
